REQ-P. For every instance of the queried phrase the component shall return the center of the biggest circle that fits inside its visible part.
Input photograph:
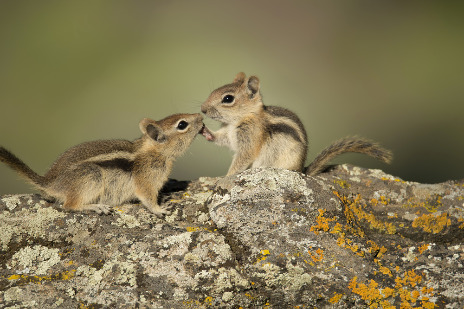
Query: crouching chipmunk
(100, 174)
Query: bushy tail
(19, 166)
(347, 144)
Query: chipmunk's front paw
(207, 133)
(160, 211)
(100, 208)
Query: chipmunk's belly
(279, 153)
(119, 188)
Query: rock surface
(265, 238)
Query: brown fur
(271, 136)
(100, 174)
(348, 144)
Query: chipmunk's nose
(204, 109)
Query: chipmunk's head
(229, 103)
(173, 134)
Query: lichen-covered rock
(265, 238)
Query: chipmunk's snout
(204, 109)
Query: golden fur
(271, 136)
(100, 174)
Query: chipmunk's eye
(228, 99)
(182, 125)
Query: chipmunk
(100, 174)
(271, 136)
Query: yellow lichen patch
(423, 248)
(317, 256)
(384, 200)
(349, 215)
(208, 300)
(431, 204)
(336, 298)
(404, 288)
(394, 179)
(432, 224)
(370, 292)
(409, 278)
(14, 277)
(322, 223)
(347, 244)
(386, 271)
(262, 256)
(192, 229)
(355, 208)
(462, 225)
(342, 183)
(66, 275)
(375, 249)
(67, 264)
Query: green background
(390, 71)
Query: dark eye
(182, 125)
(228, 99)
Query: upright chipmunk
(270, 136)
(100, 174)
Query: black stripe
(281, 128)
(277, 111)
(118, 163)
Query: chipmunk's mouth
(202, 129)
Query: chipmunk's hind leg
(86, 189)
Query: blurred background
(390, 71)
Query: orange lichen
(66, 275)
(423, 248)
(432, 224)
(355, 209)
(349, 215)
(462, 225)
(410, 278)
(322, 223)
(379, 251)
(318, 256)
(431, 204)
(369, 293)
(336, 298)
(342, 183)
(262, 256)
(404, 288)
(395, 179)
(386, 271)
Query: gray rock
(265, 238)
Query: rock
(265, 238)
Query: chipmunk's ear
(151, 128)
(252, 84)
(239, 78)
